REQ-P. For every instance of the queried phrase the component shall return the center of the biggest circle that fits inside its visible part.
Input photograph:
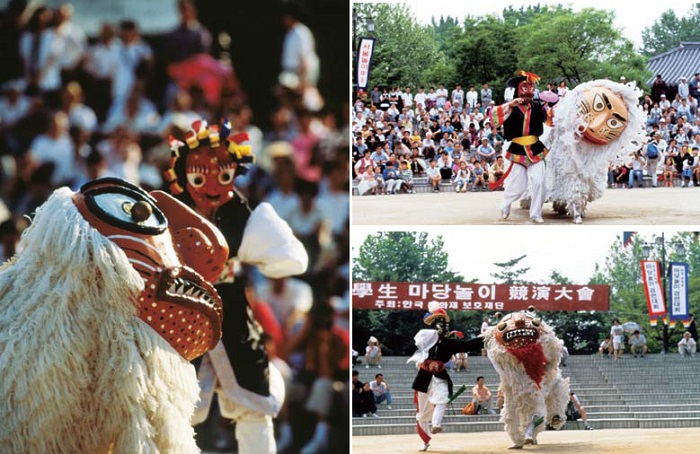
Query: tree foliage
(553, 41)
(669, 31)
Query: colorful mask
(517, 330)
(176, 252)
(526, 90)
(604, 114)
(205, 166)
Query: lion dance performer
(100, 315)
(525, 352)
(250, 389)
(432, 385)
(594, 124)
(523, 121)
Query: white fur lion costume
(96, 318)
(525, 352)
(596, 123)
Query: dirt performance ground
(611, 441)
(638, 206)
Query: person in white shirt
(420, 98)
(55, 146)
(472, 97)
(431, 101)
(638, 344)
(683, 88)
(133, 53)
(102, 63)
(687, 346)
(407, 98)
(618, 337)
(441, 96)
(509, 94)
(381, 391)
(41, 52)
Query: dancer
(250, 389)
(523, 119)
(100, 314)
(432, 385)
(525, 352)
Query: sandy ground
(671, 206)
(612, 441)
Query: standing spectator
(74, 42)
(300, 63)
(481, 397)
(576, 411)
(562, 89)
(618, 337)
(434, 176)
(375, 97)
(684, 165)
(638, 344)
(101, 64)
(486, 96)
(373, 353)
(472, 98)
(457, 95)
(693, 327)
(654, 152)
(41, 51)
(564, 356)
(687, 346)
(694, 86)
(431, 99)
(683, 88)
(508, 93)
(407, 98)
(420, 98)
(134, 62)
(54, 146)
(441, 96)
(381, 391)
(658, 88)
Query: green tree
(509, 274)
(397, 257)
(669, 31)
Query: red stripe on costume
(498, 183)
(533, 360)
(421, 433)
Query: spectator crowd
(445, 137)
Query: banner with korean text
(364, 61)
(651, 276)
(501, 297)
(678, 293)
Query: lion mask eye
(502, 326)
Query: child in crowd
(669, 168)
(406, 177)
(479, 179)
(461, 178)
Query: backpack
(652, 151)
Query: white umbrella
(631, 327)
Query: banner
(678, 292)
(364, 61)
(651, 276)
(487, 297)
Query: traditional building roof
(684, 61)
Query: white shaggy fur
(576, 169)
(522, 398)
(81, 373)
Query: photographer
(637, 167)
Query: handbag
(469, 409)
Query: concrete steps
(658, 391)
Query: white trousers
(519, 180)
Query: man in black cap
(523, 121)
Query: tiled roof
(672, 64)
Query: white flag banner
(651, 276)
(364, 61)
(678, 283)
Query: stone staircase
(658, 391)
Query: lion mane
(529, 390)
(81, 372)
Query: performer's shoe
(436, 430)
(530, 441)
(537, 220)
(589, 428)
(424, 447)
(505, 212)
(516, 447)
(578, 220)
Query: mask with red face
(176, 252)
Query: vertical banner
(678, 293)
(651, 276)
(364, 60)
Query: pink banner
(651, 276)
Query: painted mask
(210, 173)
(526, 90)
(518, 330)
(176, 252)
(604, 113)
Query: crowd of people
(75, 107)
(446, 137)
